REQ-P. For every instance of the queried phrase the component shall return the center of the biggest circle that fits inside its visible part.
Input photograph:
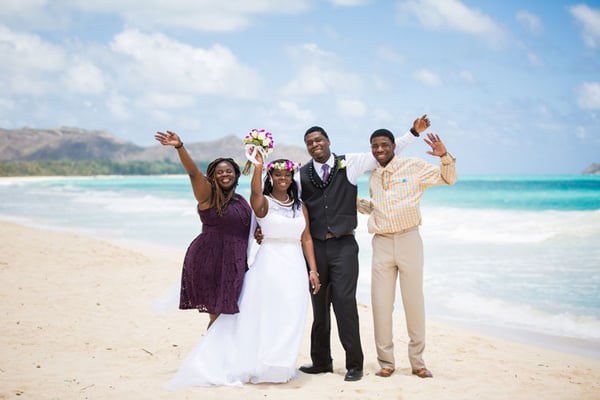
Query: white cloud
(466, 76)
(581, 133)
(589, 18)
(6, 103)
(7, 108)
(388, 54)
(531, 21)
(318, 73)
(452, 15)
(534, 59)
(28, 63)
(312, 50)
(52, 15)
(351, 108)
(219, 16)
(24, 51)
(195, 15)
(310, 80)
(427, 77)
(383, 116)
(118, 106)
(381, 84)
(349, 3)
(19, 7)
(156, 62)
(85, 78)
(165, 100)
(588, 96)
(292, 110)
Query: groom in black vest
(329, 191)
(331, 204)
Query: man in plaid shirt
(396, 188)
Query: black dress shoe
(353, 374)
(316, 369)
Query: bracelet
(311, 271)
(414, 132)
(180, 145)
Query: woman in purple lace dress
(216, 260)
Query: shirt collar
(329, 162)
(390, 167)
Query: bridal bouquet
(257, 140)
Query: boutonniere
(341, 164)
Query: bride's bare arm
(258, 201)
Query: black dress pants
(337, 264)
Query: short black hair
(315, 129)
(382, 132)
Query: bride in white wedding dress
(261, 343)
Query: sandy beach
(77, 323)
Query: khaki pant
(393, 254)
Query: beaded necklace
(311, 174)
(286, 203)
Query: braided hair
(221, 198)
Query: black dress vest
(331, 208)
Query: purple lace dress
(216, 260)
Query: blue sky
(513, 87)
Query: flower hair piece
(257, 140)
(284, 165)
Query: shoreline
(580, 346)
(77, 322)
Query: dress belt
(330, 235)
(281, 240)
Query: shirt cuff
(447, 159)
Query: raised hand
(168, 139)
(421, 124)
(257, 154)
(438, 148)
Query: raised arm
(200, 184)
(446, 173)
(359, 163)
(258, 201)
(419, 125)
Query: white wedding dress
(261, 343)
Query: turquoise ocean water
(515, 256)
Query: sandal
(385, 372)
(423, 373)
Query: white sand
(77, 324)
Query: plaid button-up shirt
(396, 192)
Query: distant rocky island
(76, 151)
(593, 169)
(27, 144)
